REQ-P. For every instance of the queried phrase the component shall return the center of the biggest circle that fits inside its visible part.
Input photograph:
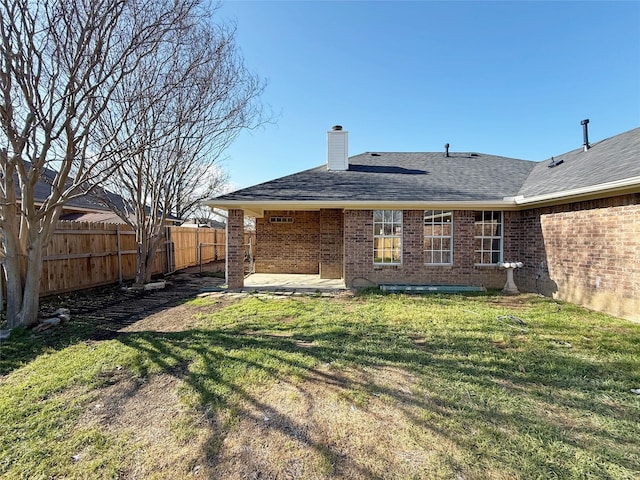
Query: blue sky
(506, 78)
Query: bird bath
(510, 288)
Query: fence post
(119, 254)
(198, 249)
(1, 292)
(215, 244)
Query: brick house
(450, 218)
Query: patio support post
(235, 249)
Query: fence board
(83, 255)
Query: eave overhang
(257, 209)
(592, 192)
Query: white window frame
(386, 226)
(431, 220)
(485, 233)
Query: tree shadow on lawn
(97, 314)
(479, 397)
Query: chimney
(585, 133)
(446, 149)
(337, 149)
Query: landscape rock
(41, 327)
(52, 321)
(155, 285)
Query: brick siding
(288, 247)
(235, 248)
(331, 247)
(585, 252)
(360, 270)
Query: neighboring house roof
(96, 217)
(86, 208)
(461, 180)
(210, 224)
(105, 217)
(88, 202)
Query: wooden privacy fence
(83, 255)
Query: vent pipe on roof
(446, 149)
(585, 133)
(337, 148)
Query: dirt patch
(176, 319)
(171, 439)
(114, 309)
(516, 302)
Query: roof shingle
(398, 177)
(461, 177)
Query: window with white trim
(387, 237)
(488, 237)
(438, 237)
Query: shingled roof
(612, 160)
(86, 208)
(392, 176)
(434, 179)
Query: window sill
(381, 266)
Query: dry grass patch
(168, 439)
(335, 424)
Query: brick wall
(586, 253)
(288, 247)
(235, 248)
(331, 248)
(360, 270)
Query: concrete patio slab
(288, 282)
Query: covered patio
(291, 282)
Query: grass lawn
(366, 387)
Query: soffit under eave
(257, 210)
(528, 203)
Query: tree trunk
(147, 248)
(152, 248)
(23, 296)
(13, 271)
(141, 256)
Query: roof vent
(337, 128)
(585, 133)
(555, 163)
(446, 149)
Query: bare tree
(61, 63)
(208, 183)
(191, 98)
(211, 183)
